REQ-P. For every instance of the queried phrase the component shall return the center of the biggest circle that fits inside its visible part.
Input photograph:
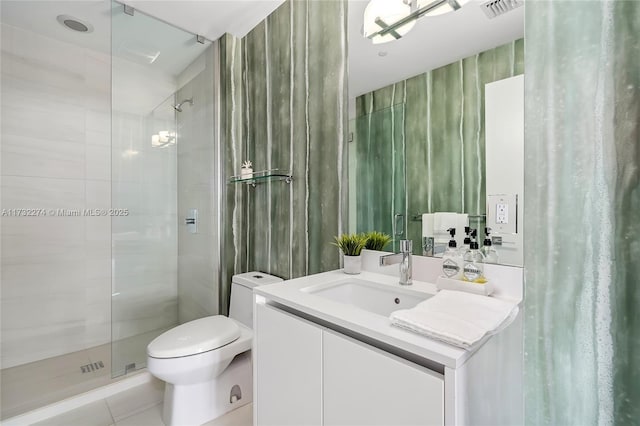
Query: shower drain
(92, 367)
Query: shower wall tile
(430, 128)
(98, 121)
(582, 189)
(98, 162)
(198, 258)
(144, 242)
(98, 138)
(142, 199)
(52, 120)
(143, 307)
(285, 106)
(33, 192)
(55, 270)
(40, 230)
(45, 53)
(27, 282)
(97, 194)
(28, 156)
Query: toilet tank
(242, 285)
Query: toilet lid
(194, 337)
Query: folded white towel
(427, 225)
(456, 317)
(444, 220)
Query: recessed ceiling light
(74, 24)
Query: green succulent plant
(350, 244)
(376, 240)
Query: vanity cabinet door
(367, 386)
(288, 369)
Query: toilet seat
(194, 337)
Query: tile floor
(139, 406)
(97, 414)
(29, 386)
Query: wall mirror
(436, 127)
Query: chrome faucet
(431, 248)
(403, 258)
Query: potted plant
(351, 246)
(377, 240)
(246, 171)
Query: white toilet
(206, 363)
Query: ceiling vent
(74, 24)
(495, 8)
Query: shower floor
(29, 386)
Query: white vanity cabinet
(306, 374)
(322, 359)
(287, 369)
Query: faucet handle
(406, 246)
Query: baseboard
(80, 400)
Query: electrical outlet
(502, 213)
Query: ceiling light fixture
(381, 15)
(388, 20)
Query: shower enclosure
(110, 193)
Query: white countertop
(376, 327)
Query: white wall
(504, 150)
(55, 137)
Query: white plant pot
(352, 264)
(246, 173)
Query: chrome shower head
(178, 107)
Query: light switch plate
(502, 213)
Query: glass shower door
(162, 94)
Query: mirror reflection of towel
(441, 222)
(436, 224)
(427, 225)
(444, 220)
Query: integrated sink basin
(377, 298)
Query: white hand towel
(455, 317)
(427, 225)
(441, 222)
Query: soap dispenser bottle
(451, 260)
(473, 262)
(490, 254)
(466, 245)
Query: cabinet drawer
(288, 370)
(363, 385)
